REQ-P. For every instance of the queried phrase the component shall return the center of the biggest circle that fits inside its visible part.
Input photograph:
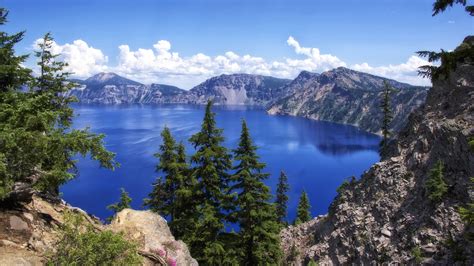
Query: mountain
(340, 95)
(346, 96)
(239, 89)
(110, 88)
(387, 217)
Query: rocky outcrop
(387, 216)
(29, 231)
(152, 234)
(350, 97)
(239, 89)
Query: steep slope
(110, 88)
(387, 216)
(239, 89)
(346, 96)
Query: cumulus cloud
(405, 72)
(160, 64)
(83, 60)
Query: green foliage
(172, 194)
(312, 263)
(36, 137)
(80, 244)
(416, 254)
(387, 113)
(292, 258)
(211, 163)
(303, 213)
(467, 212)
(435, 185)
(124, 203)
(441, 5)
(471, 143)
(259, 230)
(281, 200)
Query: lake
(316, 156)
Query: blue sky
(376, 36)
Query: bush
(80, 244)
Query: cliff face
(239, 89)
(29, 231)
(349, 97)
(387, 215)
(109, 88)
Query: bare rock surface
(152, 233)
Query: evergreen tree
(35, 126)
(303, 213)
(387, 114)
(435, 185)
(211, 163)
(441, 5)
(124, 203)
(172, 192)
(282, 198)
(259, 231)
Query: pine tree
(259, 231)
(35, 126)
(435, 185)
(171, 195)
(303, 213)
(282, 198)
(387, 114)
(124, 203)
(211, 163)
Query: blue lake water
(316, 156)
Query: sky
(184, 42)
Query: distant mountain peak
(110, 78)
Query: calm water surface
(317, 156)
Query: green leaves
(435, 185)
(35, 125)
(80, 244)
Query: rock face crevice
(386, 216)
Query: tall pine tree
(211, 163)
(281, 200)
(35, 126)
(387, 114)
(259, 230)
(303, 213)
(171, 195)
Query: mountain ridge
(339, 95)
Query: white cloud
(161, 64)
(405, 72)
(83, 60)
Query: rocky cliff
(350, 97)
(110, 88)
(340, 95)
(386, 216)
(239, 89)
(29, 231)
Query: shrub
(416, 254)
(435, 185)
(80, 244)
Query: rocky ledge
(29, 231)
